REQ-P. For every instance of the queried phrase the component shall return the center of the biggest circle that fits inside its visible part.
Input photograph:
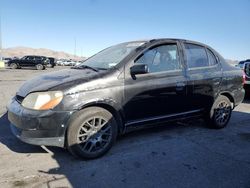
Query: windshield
(111, 56)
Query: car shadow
(76, 171)
(9, 140)
(22, 69)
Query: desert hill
(22, 51)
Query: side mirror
(139, 69)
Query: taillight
(244, 78)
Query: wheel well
(114, 112)
(230, 97)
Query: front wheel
(220, 113)
(13, 66)
(92, 133)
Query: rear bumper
(38, 127)
(239, 96)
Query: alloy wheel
(94, 135)
(222, 112)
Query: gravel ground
(176, 155)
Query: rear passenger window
(211, 57)
(196, 56)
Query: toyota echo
(123, 87)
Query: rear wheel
(39, 67)
(92, 133)
(220, 113)
(13, 66)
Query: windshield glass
(111, 56)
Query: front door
(159, 93)
(28, 61)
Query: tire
(220, 113)
(13, 66)
(91, 133)
(39, 67)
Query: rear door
(37, 60)
(204, 75)
(161, 93)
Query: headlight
(42, 100)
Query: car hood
(62, 79)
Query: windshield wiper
(85, 67)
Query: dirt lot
(175, 155)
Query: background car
(65, 62)
(52, 62)
(6, 59)
(60, 62)
(241, 63)
(39, 62)
(246, 76)
(245, 66)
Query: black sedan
(124, 87)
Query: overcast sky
(96, 24)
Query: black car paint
(133, 100)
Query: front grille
(19, 99)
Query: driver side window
(161, 58)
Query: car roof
(177, 39)
(156, 40)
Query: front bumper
(38, 127)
